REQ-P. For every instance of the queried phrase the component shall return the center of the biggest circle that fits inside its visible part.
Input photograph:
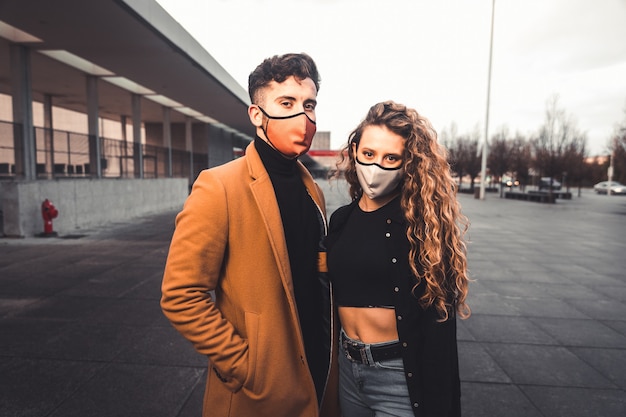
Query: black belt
(358, 352)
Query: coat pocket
(252, 328)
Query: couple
(392, 265)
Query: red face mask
(290, 135)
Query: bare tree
(557, 135)
(521, 160)
(463, 158)
(448, 138)
(470, 155)
(574, 157)
(617, 146)
(499, 157)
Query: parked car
(544, 183)
(510, 182)
(616, 187)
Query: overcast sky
(433, 55)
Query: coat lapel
(263, 192)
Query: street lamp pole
(483, 164)
(610, 172)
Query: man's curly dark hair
(278, 68)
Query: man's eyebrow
(285, 98)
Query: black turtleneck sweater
(302, 233)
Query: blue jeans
(377, 390)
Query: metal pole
(483, 165)
(610, 172)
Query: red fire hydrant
(48, 212)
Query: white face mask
(377, 181)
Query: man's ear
(255, 115)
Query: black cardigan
(430, 357)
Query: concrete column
(23, 132)
(48, 133)
(167, 140)
(137, 148)
(189, 147)
(208, 133)
(124, 159)
(221, 142)
(95, 149)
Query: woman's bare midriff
(369, 324)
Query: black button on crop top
(360, 264)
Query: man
(251, 230)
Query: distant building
(320, 151)
(109, 109)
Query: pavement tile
(560, 402)
(39, 286)
(161, 346)
(495, 400)
(481, 287)
(491, 304)
(36, 387)
(617, 325)
(147, 288)
(601, 309)
(544, 307)
(126, 311)
(609, 362)
(520, 289)
(26, 337)
(507, 329)
(91, 342)
(546, 365)
(10, 304)
(584, 333)
(104, 285)
(462, 333)
(194, 403)
(569, 290)
(132, 390)
(486, 270)
(61, 308)
(477, 365)
(612, 292)
(594, 279)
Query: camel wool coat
(229, 239)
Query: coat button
(394, 260)
(404, 344)
(388, 221)
(387, 234)
(396, 289)
(410, 374)
(399, 317)
(415, 405)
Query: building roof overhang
(134, 46)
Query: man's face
(290, 97)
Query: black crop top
(358, 262)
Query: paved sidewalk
(82, 334)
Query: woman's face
(379, 146)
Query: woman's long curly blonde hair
(436, 225)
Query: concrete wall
(85, 203)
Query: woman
(397, 262)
